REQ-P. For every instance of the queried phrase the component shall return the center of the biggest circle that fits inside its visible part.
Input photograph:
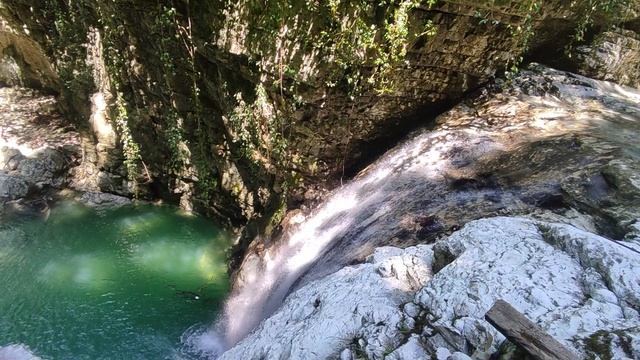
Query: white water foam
(203, 342)
(17, 352)
(266, 278)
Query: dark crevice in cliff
(395, 130)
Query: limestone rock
(24, 63)
(16, 352)
(334, 126)
(44, 168)
(98, 200)
(12, 187)
(410, 350)
(582, 288)
(357, 308)
(615, 344)
(571, 282)
(549, 145)
(10, 158)
(40, 149)
(613, 56)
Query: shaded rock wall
(613, 56)
(38, 150)
(23, 62)
(548, 144)
(237, 108)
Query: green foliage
(206, 186)
(278, 215)
(609, 12)
(170, 45)
(174, 138)
(393, 51)
(257, 128)
(586, 12)
(130, 149)
(360, 41)
(174, 35)
(522, 34)
(521, 30)
(66, 40)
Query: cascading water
(354, 219)
(471, 166)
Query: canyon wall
(242, 110)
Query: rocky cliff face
(553, 151)
(37, 148)
(237, 108)
(242, 109)
(41, 156)
(613, 56)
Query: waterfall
(345, 228)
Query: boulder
(357, 308)
(582, 288)
(12, 187)
(100, 201)
(44, 168)
(10, 158)
(16, 352)
(571, 282)
(613, 56)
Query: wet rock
(12, 187)
(582, 288)
(16, 352)
(550, 142)
(359, 310)
(99, 200)
(613, 56)
(549, 145)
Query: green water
(121, 284)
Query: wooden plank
(524, 333)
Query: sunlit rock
(357, 307)
(98, 200)
(571, 282)
(412, 349)
(549, 145)
(24, 63)
(580, 287)
(17, 352)
(613, 56)
(37, 147)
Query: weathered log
(524, 333)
